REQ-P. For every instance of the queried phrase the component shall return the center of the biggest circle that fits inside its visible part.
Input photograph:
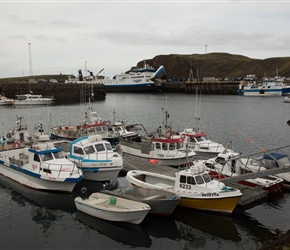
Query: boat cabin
(195, 175)
(92, 144)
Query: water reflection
(218, 225)
(161, 227)
(23, 195)
(129, 234)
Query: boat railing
(251, 166)
(54, 168)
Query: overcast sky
(65, 36)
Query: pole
(30, 60)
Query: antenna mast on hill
(30, 61)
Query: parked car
(53, 81)
(41, 81)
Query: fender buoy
(16, 145)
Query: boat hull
(161, 202)
(122, 212)
(131, 87)
(35, 181)
(221, 205)
(101, 173)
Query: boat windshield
(202, 138)
(108, 146)
(206, 177)
(46, 157)
(100, 147)
(58, 155)
(89, 149)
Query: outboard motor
(112, 185)
(84, 194)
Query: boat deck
(250, 195)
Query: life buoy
(16, 145)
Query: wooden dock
(250, 195)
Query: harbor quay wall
(211, 88)
(63, 93)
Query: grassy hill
(219, 65)
(202, 65)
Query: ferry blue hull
(139, 87)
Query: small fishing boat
(164, 146)
(4, 101)
(119, 129)
(94, 156)
(161, 202)
(230, 164)
(31, 99)
(274, 160)
(201, 143)
(111, 208)
(92, 125)
(195, 187)
(41, 166)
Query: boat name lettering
(185, 186)
(160, 155)
(210, 194)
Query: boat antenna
(251, 141)
(197, 110)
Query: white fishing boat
(21, 136)
(195, 187)
(92, 125)
(31, 99)
(135, 80)
(119, 129)
(268, 87)
(274, 160)
(4, 101)
(111, 208)
(161, 202)
(164, 146)
(286, 99)
(202, 144)
(94, 156)
(41, 166)
(230, 164)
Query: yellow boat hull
(222, 205)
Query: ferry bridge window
(190, 180)
(78, 150)
(158, 146)
(182, 179)
(171, 146)
(179, 145)
(164, 146)
(100, 147)
(89, 150)
(199, 179)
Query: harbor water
(32, 219)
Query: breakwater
(76, 93)
(211, 88)
(63, 93)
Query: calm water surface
(39, 220)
